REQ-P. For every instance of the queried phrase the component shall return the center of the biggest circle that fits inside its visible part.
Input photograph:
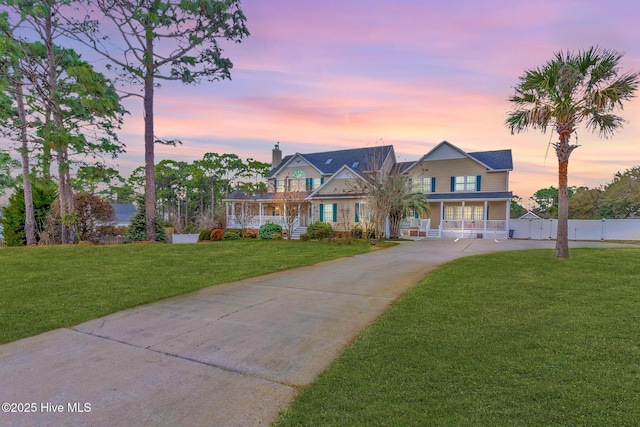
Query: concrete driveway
(228, 355)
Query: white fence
(579, 229)
(184, 238)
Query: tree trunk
(60, 145)
(395, 222)
(562, 241)
(30, 221)
(563, 151)
(150, 183)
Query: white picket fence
(579, 229)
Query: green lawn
(47, 287)
(505, 339)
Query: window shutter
(335, 212)
(415, 213)
(478, 182)
(487, 213)
(321, 180)
(453, 184)
(321, 212)
(433, 184)
(357, 210)
(275, 185)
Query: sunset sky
(327, 75)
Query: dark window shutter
(321, 212)
(357, 209)
(335, 212)
(453, 184)
(321, 180)
(433, 184)
(478, 182)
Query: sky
(329, 75)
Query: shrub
(12, 216)
(356, 233)
(230, 235)
(216, 234)
(251, 233)
(320, 230)
(268, 230)
(278, 236)
(305, 237)
(204, 235)
(137, 232)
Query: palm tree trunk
(562, 241)
(563, 151)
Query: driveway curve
(227, 355)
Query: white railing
(257, 221)
(474, 229)
(492, 225)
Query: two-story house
(468, 193)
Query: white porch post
(486, 218)
(441, 218)
(226, 211)
(506, 218)
(462, 231)
(260, 213)
(233, 211)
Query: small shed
(529, 215)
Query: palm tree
(405, 201)
(568, 90)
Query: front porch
(487, 229)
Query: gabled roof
(401, 167)
(499, 160)
(493, 161)
(344, 168)
(354, 158)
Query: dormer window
(355, 165)
(328, 161)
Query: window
(465, 183)
(423, 185)
(328, 212)
(452, 213)
(328, 161)
(355, 165)
(471, 213)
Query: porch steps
(295, 234)
(433, 233)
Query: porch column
(233, 211)
(507, 216)
(486, 217)
(441, 218)
(226, 211)
(462, 228)
(260, 213)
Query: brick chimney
(276, 156)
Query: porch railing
(473, 229)
(256, 222)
